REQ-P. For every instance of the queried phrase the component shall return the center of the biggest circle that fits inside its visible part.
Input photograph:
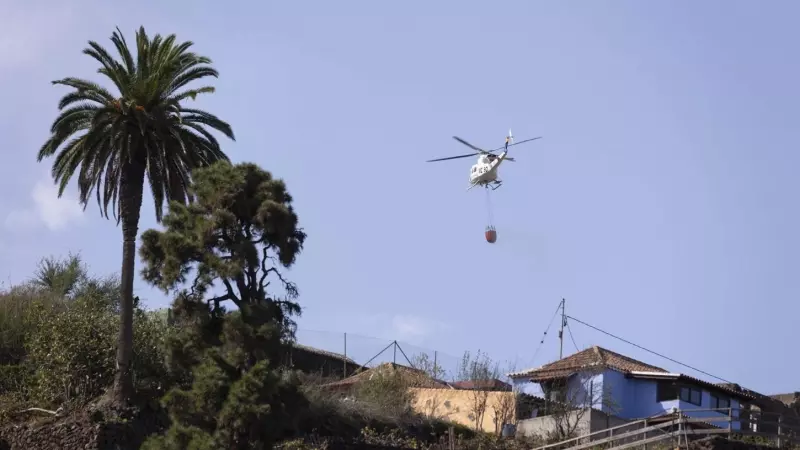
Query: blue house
(629, 389)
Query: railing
(685, 425)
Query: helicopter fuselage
(484, 172)
(485, 169)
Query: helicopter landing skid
(494, 185)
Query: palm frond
(189, 75)
(207, 119)
(191, 94)
(97, 133)
(122, 48)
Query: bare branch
(264, 270)
(431, 367)
(231, 292)
(251, 269)
(481, 371)
(571, 398)
(243, 290)
(219, 299)
(291, 289)
(46, 411)
(195, 283)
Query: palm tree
(61, 277)
(111, 143)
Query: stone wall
(456, 405)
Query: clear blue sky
(661, 202)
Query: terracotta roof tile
(591, 357)
(787, 399)
(489, 385)
(321, 352)
(724, 387)
(414, 377)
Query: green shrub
(150, 333)
(13, 378)
(332, 417)
(233, 400)
(387, 391)
(55, 284)
(15, 311)
(71, 350)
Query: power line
(572, 337)
(544, 335)
(648, 350)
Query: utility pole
(561, 331)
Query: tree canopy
(238, 232)
(100, 133)
(241, 227)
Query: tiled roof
(786, 399)
(724, 387)
(488, 385)
(776, 402)
(414, 377)
(322, 352)
(591, 357)
(759, 398)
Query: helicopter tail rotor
(509, 140)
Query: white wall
(541, 426)
(588, 422)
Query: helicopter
(484, 172)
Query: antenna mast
(561, 331)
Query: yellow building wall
(459, 406)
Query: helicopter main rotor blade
(479, 150)
(453, 157)
(515, 143)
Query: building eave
(684, 377)
(540, 374)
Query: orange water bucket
(491, 235)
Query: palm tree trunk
(130, 202)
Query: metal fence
(683, 426)
(371, 351)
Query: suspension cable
(489, 208)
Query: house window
(666, 391)
(719, 402)
(691, 395)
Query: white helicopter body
(484, 172)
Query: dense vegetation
(74, 342)
(231, 392)
(213, 370)
(111, 143)
(58, 338)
